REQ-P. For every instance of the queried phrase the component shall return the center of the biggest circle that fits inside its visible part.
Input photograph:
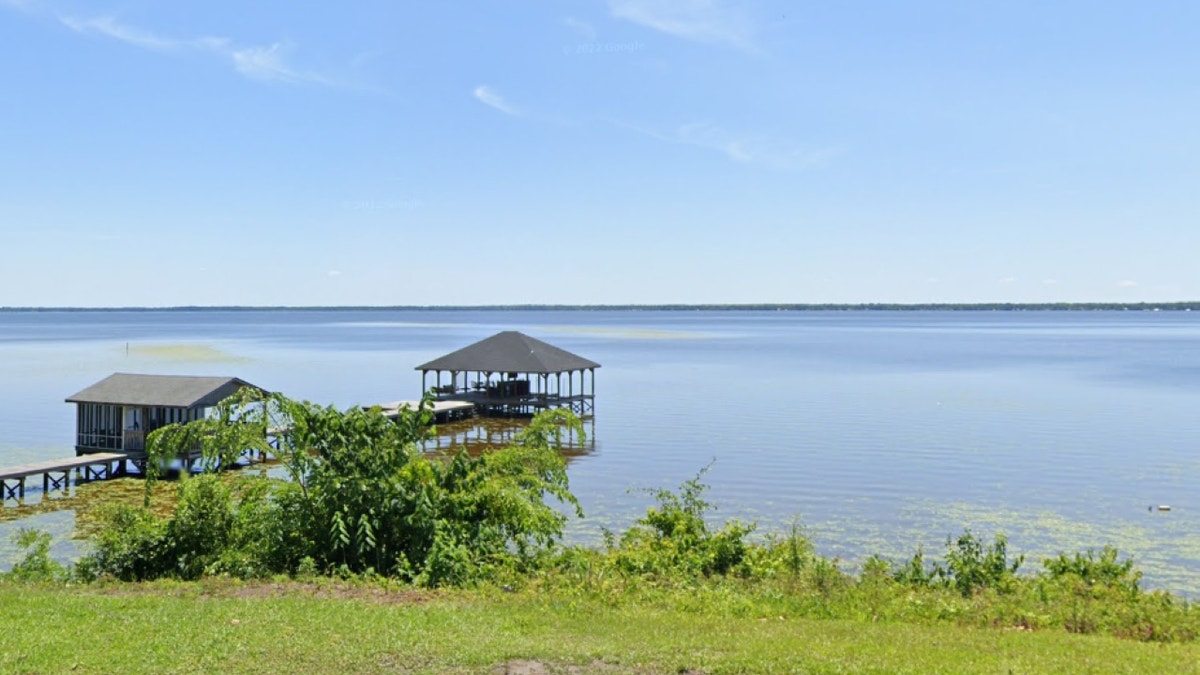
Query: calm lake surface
(878, 431)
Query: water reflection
(481, 434)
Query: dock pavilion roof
(170, 391)
(510, 352)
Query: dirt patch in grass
(324, 590)
(528, 667)
(327, 591)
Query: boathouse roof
(510, 352)
(170, 391)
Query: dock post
(14, 491)
(50, 482)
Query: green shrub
(674, 540)
(362, 499)
(1096, 569)
(970, 565)
(131, 545)
(915, 573)
(199, 531)
(35, 564)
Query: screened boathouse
(116, 413)
(512, 374)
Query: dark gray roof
(171, 391)
(510, 352)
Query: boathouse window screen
(99, 426)
(102, 425)
(161, 417)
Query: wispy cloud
(22, 5)
(491, 98)
(585, 29)
(255, 62)
(708, 21)
(1127, 284)
(269, 63)
(743, 148)
(109, 27)
(1007, 280)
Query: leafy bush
(362, 499)
(915, 572)
(970, 565)
(35, 565)
(131, 545)
(1096, 569)
(217, 527)
(673, 538)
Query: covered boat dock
(511, 374)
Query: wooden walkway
(443, 411)
(56, 473)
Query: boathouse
(512, 374)
(116, 413)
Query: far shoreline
(1186, 306)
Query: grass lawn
(225, 627)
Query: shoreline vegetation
(375, 557)
(1187, 306)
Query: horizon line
(732, 306)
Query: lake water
(878, 431)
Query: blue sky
(619, 151)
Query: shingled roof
(170, 391)
(510, 352)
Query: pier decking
(56, 473)
(443, 411)
(488, 403)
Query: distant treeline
(752, 307)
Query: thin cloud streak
(706, 21)
(267, 63)
(254, 62)
(585, 29)
(744, 149)
(108, 27)
(490, 98)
